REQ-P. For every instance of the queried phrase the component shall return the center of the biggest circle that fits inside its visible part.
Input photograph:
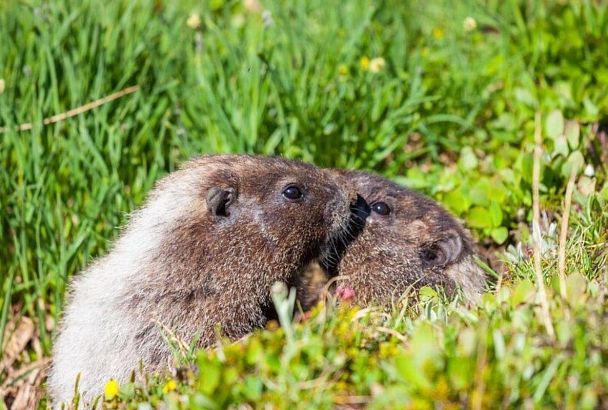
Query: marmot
(204, 250)
(408, 241)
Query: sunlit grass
(440, 96)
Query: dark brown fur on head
(218, 262)
(416, 244)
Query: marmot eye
(381, 208)
(292, 192)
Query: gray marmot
(408, 241)
(204, 250)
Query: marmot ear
(444, 251)
(219, 199)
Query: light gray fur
(96, 337)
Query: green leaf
(604, 192)
(480, 192)
(468, 160)
(456, 201)
(479, 217)
(572, 133)
(415, 179)
(461, 371)
(554, 125)
(576, 285)
(497, 191)
(525, 97)
(417, 365)
(467, 342)
(210, 375)
(500, 234)
(495, 214)
(576, 160)
(499, 344)
(253, 388)
(560, 146)
(546, 378)
(410, 372)
(524, 291)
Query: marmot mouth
(336, 245)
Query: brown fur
(202, 254)
(221, 272)
(394, 253)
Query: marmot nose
(360, 208)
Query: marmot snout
(203, 251)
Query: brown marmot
(408, 241)
(204, 250)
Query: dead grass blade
(563, 236)
(536, 234)
(78, 110)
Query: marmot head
(293, 210)
(408, 241)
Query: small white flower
(469, 24)
(194, 21)
(376, 64)
(589, 171)
(267, 18)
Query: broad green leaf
(461, 371)
(572, 133)
(497, 192)
(560, 146)
(468, 160)
(604, 192)
(456, 201)
(554, 125)
(499, 234)
(211, 373)
(481, 192)
(410, 372)
(576, 160)
(525, 96)
(495, 214)
(479, 217)
(253, 388)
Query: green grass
(451, 113)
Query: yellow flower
(469, 24)
(194, 21)
(112, 389)
(377, 64)
(442, 389)
(171, 385)
(342, 70)
(364, 63)
(438, 33)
